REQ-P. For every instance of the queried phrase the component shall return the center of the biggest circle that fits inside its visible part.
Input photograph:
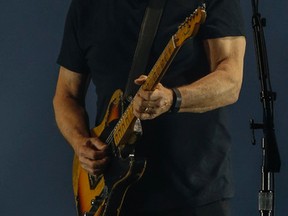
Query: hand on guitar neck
(151, 104)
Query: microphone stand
(270, 159)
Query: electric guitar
(104, 195)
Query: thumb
(140, 80)
(97, 143)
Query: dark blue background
(35, 161)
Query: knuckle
(136, 114)
(94, 155)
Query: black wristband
(177, 99)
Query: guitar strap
(146, 37)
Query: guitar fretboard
(153, 79)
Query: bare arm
(222, 86)
(69, 106)
(72, 120)
(219, 88)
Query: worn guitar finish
(104, 195)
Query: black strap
(147, 34)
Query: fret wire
(121, 127)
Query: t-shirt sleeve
(71, 56)
(224, 18)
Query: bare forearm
(216, 90)
(222, 86)
(72, 120)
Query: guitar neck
(152, 80)
(186, 30)
(161, 66)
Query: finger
(161, 97)
(144, 106)
(151, 110)
(151, 104)
(97, 143)
(140, 105)
(95, 172)
(90, 152)
(94, 154)
(140, 80)
(93, 166)
(150, 95)
(147, 114)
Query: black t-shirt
(188, 154)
